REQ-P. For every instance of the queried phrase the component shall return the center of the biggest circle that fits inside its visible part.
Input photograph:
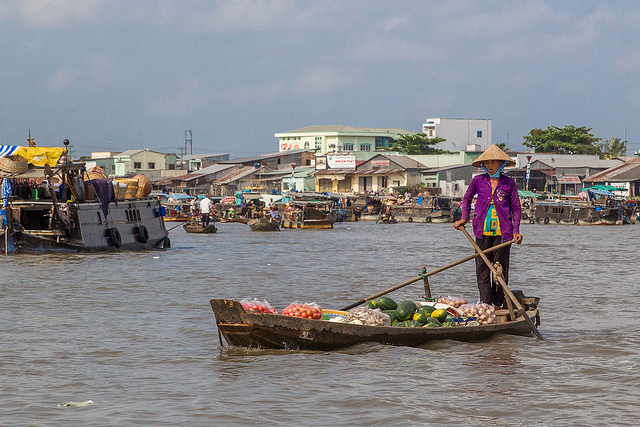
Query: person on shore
(205, 210)
(496, 218)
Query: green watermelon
(413, 324)
(433, 321)
(386, 303)
(430, 325)
(393, 316)
(440, 314)
(449, 323)
(400, 325)
(428, 309)
(405, 310)
(421, 317)
(371, 304)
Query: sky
(115, 75)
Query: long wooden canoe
(245, 329)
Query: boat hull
(139, 225)
(245, 329)
(264, 224)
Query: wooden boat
(580, 213)
(303, 214)
(437, 209)
(82, 216)
(236, 219)
(246, 329)
(195, 226)
(264, 224)
(386, 219)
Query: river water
(133, 332)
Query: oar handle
(503, 283)
(422, 276)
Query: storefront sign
(341, 162)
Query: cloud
(321, 80)
(189, 98)
(52, 13)
(61, 79)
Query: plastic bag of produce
(454, 301)
(484, 313)
(257, 306)
(368, 316)
(306, 311)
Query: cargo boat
(43, 220)
(242, 328)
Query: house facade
(459, 133)
(339, 139)
(148, 162)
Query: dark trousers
(205, 219)
(492, 293)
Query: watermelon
(393, 316)
(386, 303)
(405, 310)
(433, 321)
(421, 317)
(449, 323)
(371, 304)
(431, 325)
(413, 324)
(440, 314)
(428, 309)
(400, 324)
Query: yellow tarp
(40, 156)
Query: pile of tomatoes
(305, 311)
(259, 306)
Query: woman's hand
(518, 238)
(461, 223)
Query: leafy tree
(503, 147)
(614, 147)
(566, 140)
(417, 144)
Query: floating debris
(79, 404)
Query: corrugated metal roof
(346, 129)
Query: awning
(523, 194)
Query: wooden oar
(502, 282)
(173, 228)
(425, 275)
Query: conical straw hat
(493, 153)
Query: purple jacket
(505, 199)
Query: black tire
(532, 221)
(546, 220)
(166, 243)
(575, 221)
(290, 224)
(114, 235)
(143, 234)
(428, 220)
(410, 219)
(557, 220)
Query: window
(318, 143)
(137, 165)
(348, 146)
(151, 165)
(479, 134)
(365, 147)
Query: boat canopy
(527, 194)
(604, 188)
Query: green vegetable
(393, 316)
(405, 310)
(413, 324)
(421, 317)
(428, 309)
(440, 314)
(433, 322)
(371, 304)
(399, 325)
(386, 303)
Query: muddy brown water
(133, 332)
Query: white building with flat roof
(460, 134)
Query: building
(460, 134)
(147, 162)
(339, 138)
(626, 175)
(381, 173)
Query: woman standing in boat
(496, 218)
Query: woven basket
(14, 164)
(95, 173)
(132, 190)
(144, 186)
(119, 190)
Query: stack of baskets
(13, 164)
(125, 188)
(144, 186)
(95, 173)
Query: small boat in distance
(264, 224)
(195, 226)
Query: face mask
(497, 174)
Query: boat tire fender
(428, 219)
(143, 234)
(532, 221)
(114, 235)
(558, 220)
(166, 242)
(290, 224)
(575, 221)
(546, 220)
(410, 219)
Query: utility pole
(624, 144)
(181, 151)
